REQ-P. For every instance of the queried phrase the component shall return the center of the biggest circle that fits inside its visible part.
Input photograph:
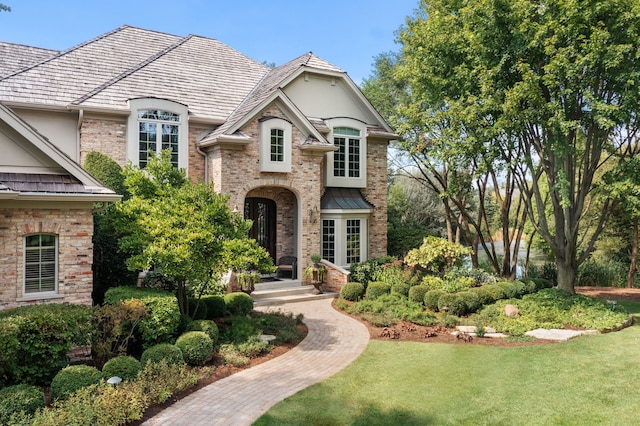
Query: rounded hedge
(510, 290)
(471, 300)
(484, 296)
(197, 309)
(162, 351)
(20, 398)
(496, 291)
(238, 303)
(431, 298)
(216, 308)
(542, 283)
(72, 378)
(401, 288)
(454, 302)
(207, 326)
(376, 289)
(196, 347)
(125, 367)
(352, 291)
(417, 292)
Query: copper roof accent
(33, 182)
(344, 199)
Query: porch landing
(286, 291)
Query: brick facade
(376, 194)
(105, 135)
(74, 228)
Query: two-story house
(298, 148)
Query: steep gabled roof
(14, 57)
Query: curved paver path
(333, 342)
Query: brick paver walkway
(333, 342)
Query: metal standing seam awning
(344, 199)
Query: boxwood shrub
(401, 288)
(20, 400)
(484, 295)
(207, 326)
(216, 308)
(196, 347)
(376, 289)
(171, 354)
(417, 292)
(454, 302)
(72, 378)
(471, 300)
(238, 303)
(125, 367)
(352, 291)
(431, 298)
(509, 288)
(496, 291)
(529, 285)
(197, 309)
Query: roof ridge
(64, 52)
(131, 70)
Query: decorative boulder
(511, 311)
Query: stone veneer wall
(74, 228)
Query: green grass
(589, 380)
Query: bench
(287, 264)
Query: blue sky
(347, 33)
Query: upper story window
(346, 167)
(40, 263)
(155, 125)
(275, 145)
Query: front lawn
(589, 380)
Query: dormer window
(346, 166)
(275, 145)
(155, 125)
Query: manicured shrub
(197, 309)
(433, 282)
(364, 272)
(470, 299)
(20, 400)
(542, 283)
(125, 367)
(376, 289)
(196, 347)
(431, 298)
(171, 354)
(529, 285)
(417, 292)
(437, 255)
(72, 378)
(454, 302)
(496, 292)
(509, 288)
(401, 288)
(484, 297)
(352, 291)
(238, 303)
(34, 340)
(521, 288)
(207, 326)
(216, 307)
(162, 321)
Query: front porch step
(289, 291)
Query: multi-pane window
(353, 241)
(346, 160)
(277, 145)
(40, 263)
(157, 127)
(329, 240)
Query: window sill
(40, 296)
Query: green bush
(401, 288)
(548, 271)
(197, 309)
(376, 289)
(238, 303)
(437, 255)
(393, 274)
(364, 272)
(479, 276)
(162, 321)
(72, 378)
(510, 290)
(417, 292)
(352, 291)
(484, 296)
(454, 302)
(171, 354)
(389, 309)
(542, 283)
(471, 300)
(20, 400)
(604, 273)
(241, 329)
(496, 291)
(161, 380)
(34, 341)
(196, 347)
(125, 367)
(529, 285)
(433, 282)
(207, 326)
(216, 307)
(431, 298)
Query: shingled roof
(14, 57)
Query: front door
(262, 212)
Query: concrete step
(273, 285)
(286, 291)
(281, 300)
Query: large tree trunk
(634, 255)
(567, 269)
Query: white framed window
(345, 238)
(40, 264)
(347, 166)
(275, 145)
(155, 125)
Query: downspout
(80, 118)
(206, 162)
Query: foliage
(247, 255)
(35, 340)
(431, 298)
(376, 289)
(471, 301)
(196, 347)
(114, 327)
(452, 303)
(364, 272)
(231, 355)
(162, 352)
(395, 273)
(390, 309)
(216, 307)
(401, 288)
(72, 378)
(160, 324)
(283, 325)
(604, 273)
(207, 326)
(484, 296)
(106, 170)
(479, 276)
(417, 292)
(548, 271)
(432, 282)
(352, 291)
(241, 329)
(197, 309)
(20, 401)
(436, 255)
(238, 303)
(125, 367)
(160, 380)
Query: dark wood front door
(262, 212)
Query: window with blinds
(40, 263)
